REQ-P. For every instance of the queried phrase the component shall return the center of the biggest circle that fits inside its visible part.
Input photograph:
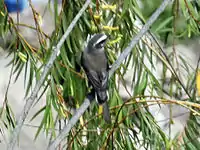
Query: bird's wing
(99, 80)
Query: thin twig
(31, 99)
(5, 102)
(135, 40)
(70, 124)
(125, 53)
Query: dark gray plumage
(95, 64)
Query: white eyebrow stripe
(104, 37)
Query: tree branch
(70, 124)
(31, 99)
(135, 40)
(116, 65)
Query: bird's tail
(102, 100)
(106, 113)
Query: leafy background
(150, 75)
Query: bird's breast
(97, 62)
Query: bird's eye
(100, 44)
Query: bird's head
(97, 43)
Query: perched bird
(95, 63)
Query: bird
(95, 64)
